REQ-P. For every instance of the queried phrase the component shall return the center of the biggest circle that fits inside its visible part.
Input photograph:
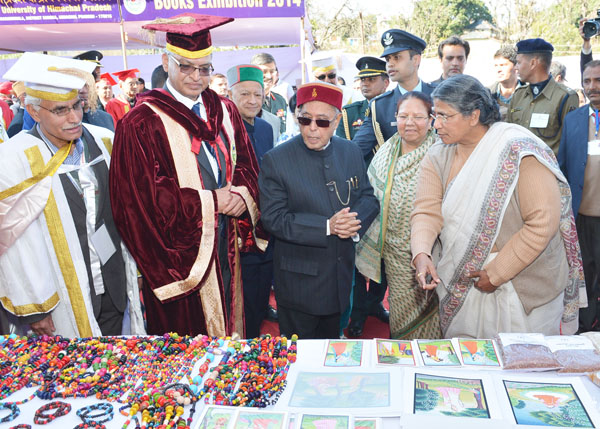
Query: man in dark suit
(246, 83)
(316, 200)
(579, 159)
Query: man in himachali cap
(316, 200)
(56, 280)
(247, 92)
(184, 189)
(124, 102)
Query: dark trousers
(366, 302)
(308, 326)
(110, 318)
(256, 279)
(588, 231)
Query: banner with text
(97, 11)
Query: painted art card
(344, 353)
(314, 421)
(449, 396)
(437, 353)
(478, 353)
(214, 417)
(366, 393)
(367, 423)
(248, 418)
(394, 352)
(547, 404)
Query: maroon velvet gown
(161, 223)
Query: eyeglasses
(321, 123)
(329, 76)
(65, 110)
(444, 118)
(406, 118)
(205, 70)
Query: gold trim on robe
(28, 309)
(189, 177)
(61, 247)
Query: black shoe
(355, 329)
(381, 313)
(272, 314)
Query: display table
(360, 382)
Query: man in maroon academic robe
(184, 190)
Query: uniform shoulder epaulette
(385, 94)
(353, 104)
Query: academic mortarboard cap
(107, 77)
(52, 78)
(93, 56)
(399, 40)
(188, 34)
(123, 75)
(531, 46)
(6, 88)
(322, 65)
(244, 73)
(320, 91)
(370, 66)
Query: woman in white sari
(492, 199)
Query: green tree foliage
(478, 413)
(426, 400)
(435, 20)
(571, 414)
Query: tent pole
(122, 27)
(302, 46)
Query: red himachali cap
(320, 91)
(188, 34)
(107, 77)
(126, 74)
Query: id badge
(539, 120)
(594, 147)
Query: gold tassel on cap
(89, 80)
(150, 35)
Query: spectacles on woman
(443, 117)
(406, 118)
(204, 70)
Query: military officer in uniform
(373, 82)
(542, 104)
(402, 54)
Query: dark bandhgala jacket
(299, 190)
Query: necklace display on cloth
(14, 411)
(88, 416)
(43, 417)
(21, 426)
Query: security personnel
(542, 104)
(402, 54)
(373, 82)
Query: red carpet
(374, 328)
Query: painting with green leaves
(547, 404)
(449, 396)
(344, 353)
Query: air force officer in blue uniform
(402, 53)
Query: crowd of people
(179, 209)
